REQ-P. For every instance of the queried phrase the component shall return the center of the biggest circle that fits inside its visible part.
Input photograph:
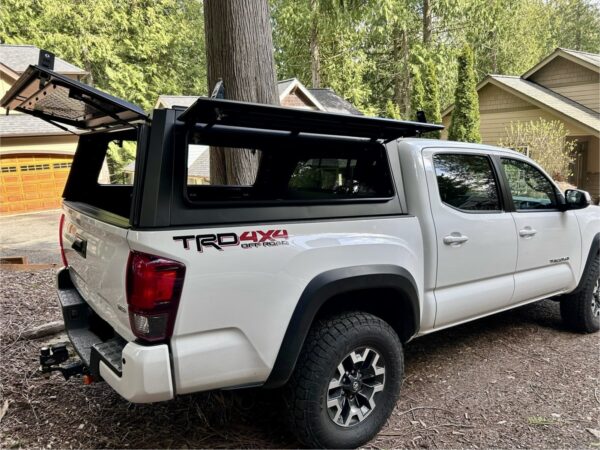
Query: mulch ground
(515, 380)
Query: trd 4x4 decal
(248, 239)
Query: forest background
(368, 51)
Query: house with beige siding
(564, 86)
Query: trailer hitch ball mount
(52, 359)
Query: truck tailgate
(97, 253)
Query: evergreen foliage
(133, 50)
(392, 111)
(465, 115)
(431, 101)
(417, 99)
(366, 48)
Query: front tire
(346, 381)
(580, 311)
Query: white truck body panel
(100, 276)
(231, 297)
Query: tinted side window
(529, 188)
(467, 182)
(335, 177)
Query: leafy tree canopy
(367, 49)
(136, 49)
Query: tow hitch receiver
(51, 359)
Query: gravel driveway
(516, 380)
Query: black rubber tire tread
(575, 309)
(328, 341)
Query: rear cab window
(467, 182)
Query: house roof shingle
(333, 102)
(549, 99)
(14, 125)
(592, 58)
(18, 57)
(325, 97)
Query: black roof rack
(209, 111)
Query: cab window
(530, 189)
(467, 182)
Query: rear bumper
(140, 374)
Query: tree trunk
(426, 22)
(315, 58)
(406, 56)
(239, 50)
(401, 56)
(397, 76)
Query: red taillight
(61, 226)
(153, 290)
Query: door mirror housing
(576, 199)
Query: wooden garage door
(32, 182)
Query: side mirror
(577, 199)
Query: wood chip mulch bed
(514, 380)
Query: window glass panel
(296, 174)
(119, 163)
(529, 188)
(198, 165)
(330, 177)
(466, 182)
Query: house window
(35, 167)
(63, 165)
(9, 169)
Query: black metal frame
(213, 112)
(159, 188)
(39, 82)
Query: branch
(48, 329)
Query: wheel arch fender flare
(330, 284)
(593, 253)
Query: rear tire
(346, 381)
(580, 311)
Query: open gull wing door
(209, 112)
(62, 100)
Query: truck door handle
(80, 246)
(455, 239)
(527, 232)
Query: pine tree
(417, 93)
(464, 125)
(431, 104)
(392, 110)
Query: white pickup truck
(354, 238)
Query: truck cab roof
(420, 143)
